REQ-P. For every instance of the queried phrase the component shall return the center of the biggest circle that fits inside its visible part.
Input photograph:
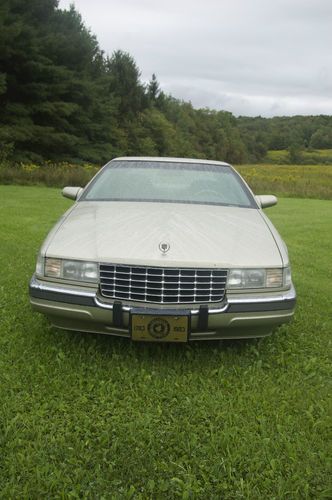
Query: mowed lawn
(88, 416)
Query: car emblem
(164, 247)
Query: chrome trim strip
(37, 285)
(218, 310)
(103, 305)
(284, 296)
(193, 312)
(212, 310)
(290, 295)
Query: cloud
(249, 57)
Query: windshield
(170, 182)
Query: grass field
(294, 181)
(87, 416)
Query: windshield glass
(170, 182)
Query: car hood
(198, 235)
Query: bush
(48, 174)
(307, 157)
(6, 150)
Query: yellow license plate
(151, 328)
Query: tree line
(62, 98)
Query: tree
(295, 154)
(322, 138)
(125, 84)
(153, 89)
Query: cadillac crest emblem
(164, 247)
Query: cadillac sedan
(165, 250)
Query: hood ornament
(164, 247)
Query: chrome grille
(162, 285)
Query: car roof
(175, 160)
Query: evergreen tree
(125, 84)
(54, 72)
(153, 89)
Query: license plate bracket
(165, 326)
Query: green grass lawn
(88, 416)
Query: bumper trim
(193, 312)
(261, 306)
(57, 293)
(284, 301)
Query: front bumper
(238, 316)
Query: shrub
(48, 174)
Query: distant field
(300, 181)
(88, 416)
(315, 156)
(293, 181)
(49, 174)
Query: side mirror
(73, 193)
(266, 200)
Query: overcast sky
(250, 57)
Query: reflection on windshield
(169, 182)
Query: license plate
(147, 327)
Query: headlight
(75, 270)
(258, 278)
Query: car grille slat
(162, 285)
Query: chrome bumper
(238, 316)
(71, 295)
